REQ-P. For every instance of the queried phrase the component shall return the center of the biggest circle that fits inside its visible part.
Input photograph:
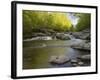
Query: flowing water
(36, 54)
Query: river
(37, 53)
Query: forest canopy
(57, 21)
(83, 22)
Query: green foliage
(36, 20)
(59, 21)
(72, 28)
(33, 20)
(84, 22)
(27, 29)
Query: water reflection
(36, 55)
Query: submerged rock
(59, 59)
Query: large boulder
(59, 59)
(77, 34)
(76, 42)
(81, 35)
(82, 46)
(85, 34)
(63, 36)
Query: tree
(72, 28)
(84, 22)
(34, 20)
(27, 26)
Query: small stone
(74, 61)
(80, 63)
(74, 64)
(84, 57)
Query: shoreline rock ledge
(82, 46)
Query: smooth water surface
(36, 54)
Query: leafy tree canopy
(57, 21)
(84, 21)
(53, 20)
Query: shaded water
(36, 54)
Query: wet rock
(38, 34)
(77, 34)
(75, 64)
(39, 38)
(87, 37)
(63, 36)
(81, 35)
(86, 30)
(77, 42)
(84, 57)
(45, 38)
(59, 59)
(87, 45)
(85, 34)
(82, 46)
(74, 61)
(46, 31)
(81, 63)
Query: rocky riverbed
(62, 59)
(80, 40)
(54, 35)
(76, 41)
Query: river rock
(81, 63)
(74, 61)
(46, 31)
(82, 46)
(63, 36)
(39, 38)
(38, 34)
(81, 35)
(76, 42)
(77, 34)
(85, 34)
(85, 57)
(74, 64)
(45, 38)
(59, 59)
(86, 30)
